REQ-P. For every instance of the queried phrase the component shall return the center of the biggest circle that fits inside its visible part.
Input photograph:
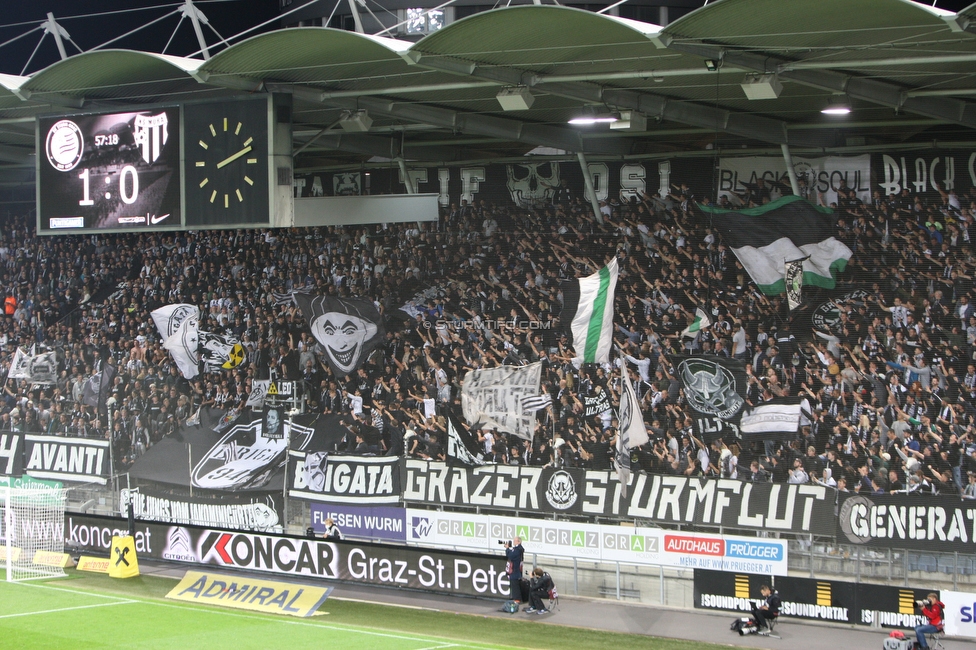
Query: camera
(503, 542)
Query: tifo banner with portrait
(596, 542)
(675, 500)
(933, 524)
(822, 600)
(446, 572)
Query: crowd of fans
(889, 379)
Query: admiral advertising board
(447, 572)
(823, 600)
(663, 499)
(931, 524)
(596, 542)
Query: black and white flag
(536, 402)
(715, 388)
(462, 445)
(259, 391)
(794, 282)
(348, 328)
(20, 365)
(596, 404)
(95, 390)
(43, 368)
(183, 344)
(169, 318)
(492, 398)
(778, 418)
(632, 432)
(219, 351)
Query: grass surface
(94, 611)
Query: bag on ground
(744, 625)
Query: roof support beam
(496, 127)
(755, 127)
(372, 145)
(884, 93)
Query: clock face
(226, 163)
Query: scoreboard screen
(114, 171)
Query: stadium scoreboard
(163, 167)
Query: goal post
(32, 533)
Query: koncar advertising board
(447, 572)
(674, 500)
(597, 542)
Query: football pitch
(94, 611)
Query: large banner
(380, 523)
(11, 453)
(596, 542)
(492, 398)
(531, 183)
(84, 460)
(676, 500)
(823, 174)
(364, 480)
(245, 511)
(931, 524)
(438, 571)
(925, 172)
(823, 600)
(715, 388)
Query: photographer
(538, 589)
(769, 609)
(515, 554)
(932, 609)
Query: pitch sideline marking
(67, 609)
(237, 615)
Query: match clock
(226, 163)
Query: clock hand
(231, 158)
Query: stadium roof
(906, 70)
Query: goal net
(32, 533)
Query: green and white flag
(789, 228)
(701, 322)
(588, 313)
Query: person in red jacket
(932, 609)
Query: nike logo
(154, 219)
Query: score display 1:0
(110, 170)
